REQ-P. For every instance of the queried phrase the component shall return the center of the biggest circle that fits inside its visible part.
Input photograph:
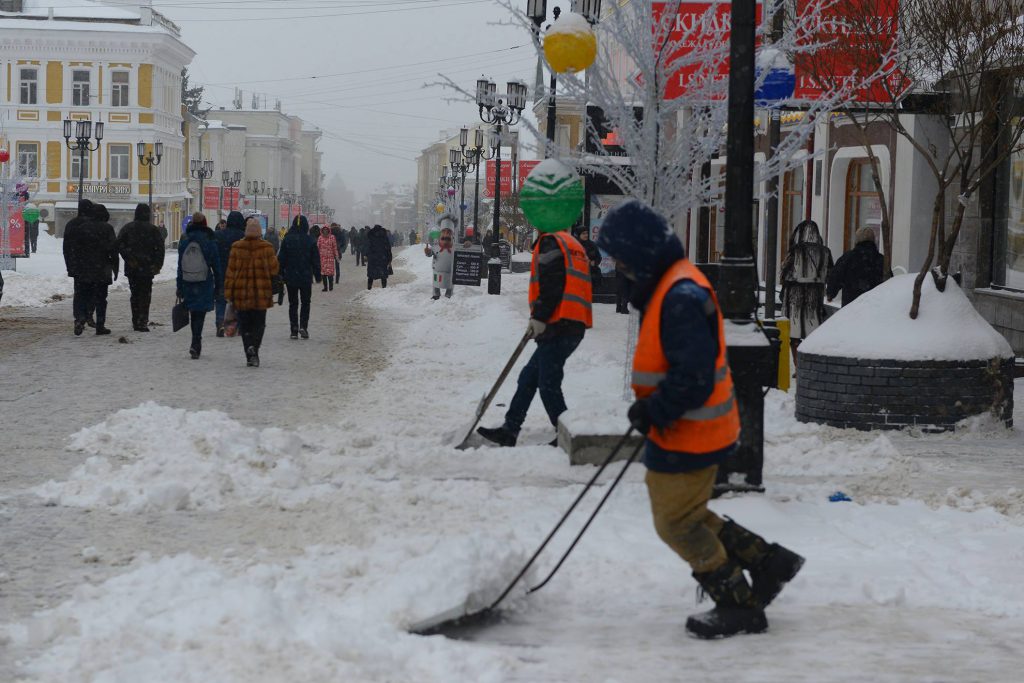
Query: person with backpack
(300, 263)
(142, 247)
(248, 285)
(233, 231)
(200, 277)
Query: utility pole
(771, 223)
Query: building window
(80, 81)
(120, 162)
(863, 206)
(29, 86)
(28, 159)
(792, 207)
(76, 161)
(1013, 269)
(119, 91)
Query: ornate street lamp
(231, 180)
(499, 113)
(256, 188)
(275, 194)
(150, 159)
(201, 170)
(464, 160)
(83, 132)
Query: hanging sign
(211, 197)
(506, 177)
(15, 229)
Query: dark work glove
(638, 417)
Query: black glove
(638, 417)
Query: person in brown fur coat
(248, 285)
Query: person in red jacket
(560, 313)
(686, 408)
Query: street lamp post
(150, 159)
(201, 170)
(499, 113)
(256, 188)
(482, 155)
(231, 180)
(83, 132)
(464, 160)
(275, 195)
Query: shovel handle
(485, 404)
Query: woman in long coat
(248, 285)
(378, 249)
(328, 247)
(199, 296)
(804, 274)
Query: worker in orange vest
(686, 408)
(560, 313)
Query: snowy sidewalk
(178, 544)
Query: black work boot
(502, 435)
(771, 566)
(735, 609)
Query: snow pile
(42, 279)
(878, 325)
(154, 457)
(570, 23)
(330, 614)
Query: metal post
(494, 264)
(476, 203)
(81, 170)
(771, 225)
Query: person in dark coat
(363, 247)
(142, 247)
(270, 235)
(200, 297)
(593, 255)
(341, 237)
(352, 237)
(300, 264)
(803, 275)
(97, 267)
(70, 247)
(857, 271)
(412, 237)
(233, 231)
(378, 256)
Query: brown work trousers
(679, 502)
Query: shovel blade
(456, 623)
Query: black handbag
(179, 316)
(277, 285)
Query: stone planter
(893, 394)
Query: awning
(110, 207)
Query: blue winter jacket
(199, 296)
(640, 239)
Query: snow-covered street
(173, 520)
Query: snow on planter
(870, 366)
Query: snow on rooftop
(878, 325)
(74, 9)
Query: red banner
(211, 197)
(861, 37)
(15, 230)
(695, 27)
(506, 177)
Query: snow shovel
(456, 619)
(485, 402)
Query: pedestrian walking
(593, 255)
(71, 258)
(363, 248)
(200, 278)
(341, 238)
(328, 247)
(378, 256)
(234, 230)
(561, 306)
(300, 263)
(857, 271)
(352, 238)
(142, 248)
(272, 238)
(412, 237)
(248, 285)
(97, 267)
(804, 274)
(444, 263)
(686, 409)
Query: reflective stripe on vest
(713, 426)
(577, 296)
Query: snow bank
(159, 458)
(878, 325)
(331, 614)
(42, 279)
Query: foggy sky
(375, 122)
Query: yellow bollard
(784, 371)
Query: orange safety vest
(716, 424)
(577, 297)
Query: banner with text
(859, 38)
(506, 177)
(211, 197)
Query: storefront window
(1014, 258)
(792, 207)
